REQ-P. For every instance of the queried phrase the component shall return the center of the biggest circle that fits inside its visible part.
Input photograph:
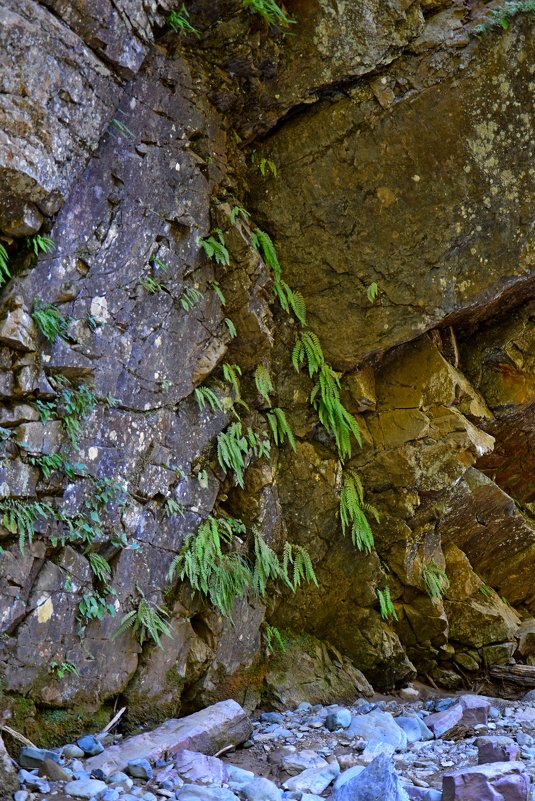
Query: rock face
(396, 183)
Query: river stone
(139, 768)
(378, 727)
(499, 780)
(72, 751)
(195, 767)
(31, 757)
(55, 772)
(313, 780)
(475, 710)
(261, 790)
(348, 774)
(85, 788)
(414, 727)
(90, 745)
(444, 722)
(377, 782)
(302, 760)
(338, 719)
(121, 779)
(195, 792)
(496, 749)
(34, 782)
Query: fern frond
(298, 559)
(435, 579)
(99, 566)
(280, 428)
(263, 243)
(263, 382)
(204, 395)
(353, 512)
(386, 606)
(230, 374)
(5, 274)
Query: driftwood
(515, 674)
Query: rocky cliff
(174, 192)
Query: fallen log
(515, 674)
(207, 731)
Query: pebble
(140, 768)
(90, 745)
(72, 751)
(339, 719)
(85, 788)
(33, 781)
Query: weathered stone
(299, 761)
(85, 788)
(195, 767)
(139, 768)
(338, 719)
(206, 731)
(17, 330)
(497, 749)
(313, 780)
(54, 772)
(378, 727)
(506, 780)
(261, 789)
(446, 722)
(30, 757)
(195, 792)
(414, 727)
(90, 745)
(475, 710)
(377, 781)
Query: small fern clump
(205, 395)
(41, 244)
(51, 322)
(234, 446)
(19, 517)
(5, 273)
(353, 509)
(274, 640)
(146, 621)
(189, 298)
(386, 607)
(215, 248)
(179, 22)
(280, 428)
(264, 384)
(99, 566)
(289, 299)
(270, 12)
(435, 580)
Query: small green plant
(296, 559)
(238, 211)
(219, 292)
(119, 128)
(99, 566)
(50, 322)
(202, 478)
(274, 639)
(49, 462)
(353, 511)
(146, 621)
(290, 300)
(232, 450)
(372, 291)
(280, 428)
(41, 244)
(230, 374)
(172, 507)
(60, 669)
(5, 274)
(501, 17)
(231, 328)
(386, 607)
(264, 384)
(435, 580)
(214, 247)
(179, 22)
(95, 606)
(205, 395)
(486, 590)
(270, 12)
(152, 285)
(189, 298)
(20, 517)
(71, 406)
(267, 165)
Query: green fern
(20, 517)
(263, 243)
(297, 566)
(146, 621)
(205, 395)
(435, 580)
(179, 22)
(189, 298)
(353, 511)
(232, 450)
(219, 292)
(238, 211)
(230, 374)
(308, 351)
(51, 322)
(270, 12)
(214, 247)
(386, 607)
(274, 639)
(100, 567)
(231, 328)
(325, 398)
(172, 507)
(266, 565)
(5, 274)
(263, 382)
(372, 291)
(280, 428)
(41, 244)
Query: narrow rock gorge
(267, 354)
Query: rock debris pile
(462, 748)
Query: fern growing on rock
(146, 621)
(386, 607)
(280, 428)
(435, 580)
(353, 511)
(264, 384)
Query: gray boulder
(377, 782)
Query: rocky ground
(414, 746)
